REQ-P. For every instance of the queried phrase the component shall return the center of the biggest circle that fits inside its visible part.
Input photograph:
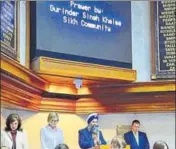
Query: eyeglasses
(54, 121)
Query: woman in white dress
(13, 136)
(51, 135)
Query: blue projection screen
(88, 31)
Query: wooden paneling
(133, 102)
(125, 108)
(66, 68)
(68, 81)
(138, 87)
(153, 60)
(61, 105)
(136, 97)
(21, 88)
(15, 92)
(22, 73)
(15, 89)
(27, 60)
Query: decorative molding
(11, 80)
(20, 72)
(43, 65)
(137, 87)
(22, 88)
(61, 105)
(19, 94)
(130, 108)
(128, 102)
(60, 96)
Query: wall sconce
(78, 82)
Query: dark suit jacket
(143, 141)
(86, 140)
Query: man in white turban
(91, 135)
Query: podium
(127, 147)
(107, 147)
(102, 147)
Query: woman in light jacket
(51, 135)
(13, 137)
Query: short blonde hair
(52, 115)
(118, 142)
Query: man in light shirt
(135, 138)
(51, 135)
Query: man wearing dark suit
(135, 138)
(91, 136)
